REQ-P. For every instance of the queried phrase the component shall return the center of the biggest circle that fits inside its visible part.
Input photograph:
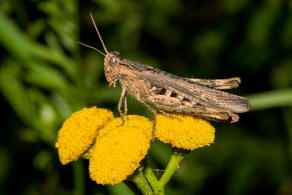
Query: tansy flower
(79, 132)
(118, 149)
(188, 132)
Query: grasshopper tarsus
(123, 121)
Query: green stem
(287, 116)
(79, 178)
(271, 99)
(141, 182)
(152, 179)
(173, 164)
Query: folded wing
(196, 92)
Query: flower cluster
(116, 150)
(79, 132)
(184, 131)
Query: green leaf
(15, 93)
(13, 39)
(45, 76)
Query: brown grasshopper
(169, 93)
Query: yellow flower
(79, 131)
(188, 133)
(119, 149)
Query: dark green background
(45, 76)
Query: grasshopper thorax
(111, 66)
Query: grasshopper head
(111, 66)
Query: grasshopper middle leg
(123, 98)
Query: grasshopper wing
(196, 92)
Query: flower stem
(141, 182)
(152, 179)
(79, 178)
(173, 164)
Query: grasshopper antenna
(91, 48)
(104, 47)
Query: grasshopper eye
(113, 61)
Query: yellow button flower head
(188, 133)
(79, 131)
(119, 149)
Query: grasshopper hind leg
(230, 83)
(168, 104)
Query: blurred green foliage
(45, 76)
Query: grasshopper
(166, 93)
